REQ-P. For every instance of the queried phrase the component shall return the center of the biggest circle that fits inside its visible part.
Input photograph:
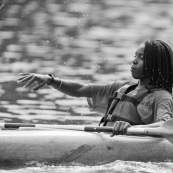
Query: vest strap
(111, 105)
(116, 118)
(130, 99)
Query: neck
(143, 82)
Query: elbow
(78, 94)
(80, 91)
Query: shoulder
(162, 95)
(158, 103)
(114, 86)
(157, 96)
(118, 84)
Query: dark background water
(91, 41)
(82, 40)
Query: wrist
(50, 79)
(60, 83)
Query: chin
(136, 77)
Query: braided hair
(158, 64)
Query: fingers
(126, 126)
(116, 128)
(38, 86)
(31, 80)
(120, 127)
(24, 77)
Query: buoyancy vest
(123, 104)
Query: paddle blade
(167, 130)
(167, 127)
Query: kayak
(59, 146)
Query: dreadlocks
(158, 64)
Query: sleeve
(164, 110)
(100, 94)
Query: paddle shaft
(130, 130)
(67, 127)
(165, 130)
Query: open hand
(120, 127)
(30, 78)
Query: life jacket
(122, 106)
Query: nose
(135, 61)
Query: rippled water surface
(117, 167)
(84, 40)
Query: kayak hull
(68, 146)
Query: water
(83, 40)
(116, 167)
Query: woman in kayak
(145, 103)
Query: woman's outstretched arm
(69, 87)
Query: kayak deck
(66, 146)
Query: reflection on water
(83, 40)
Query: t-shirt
(154, 107)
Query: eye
(141, 56)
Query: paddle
(166, 130)
(49, 126)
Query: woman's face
(137, 63)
